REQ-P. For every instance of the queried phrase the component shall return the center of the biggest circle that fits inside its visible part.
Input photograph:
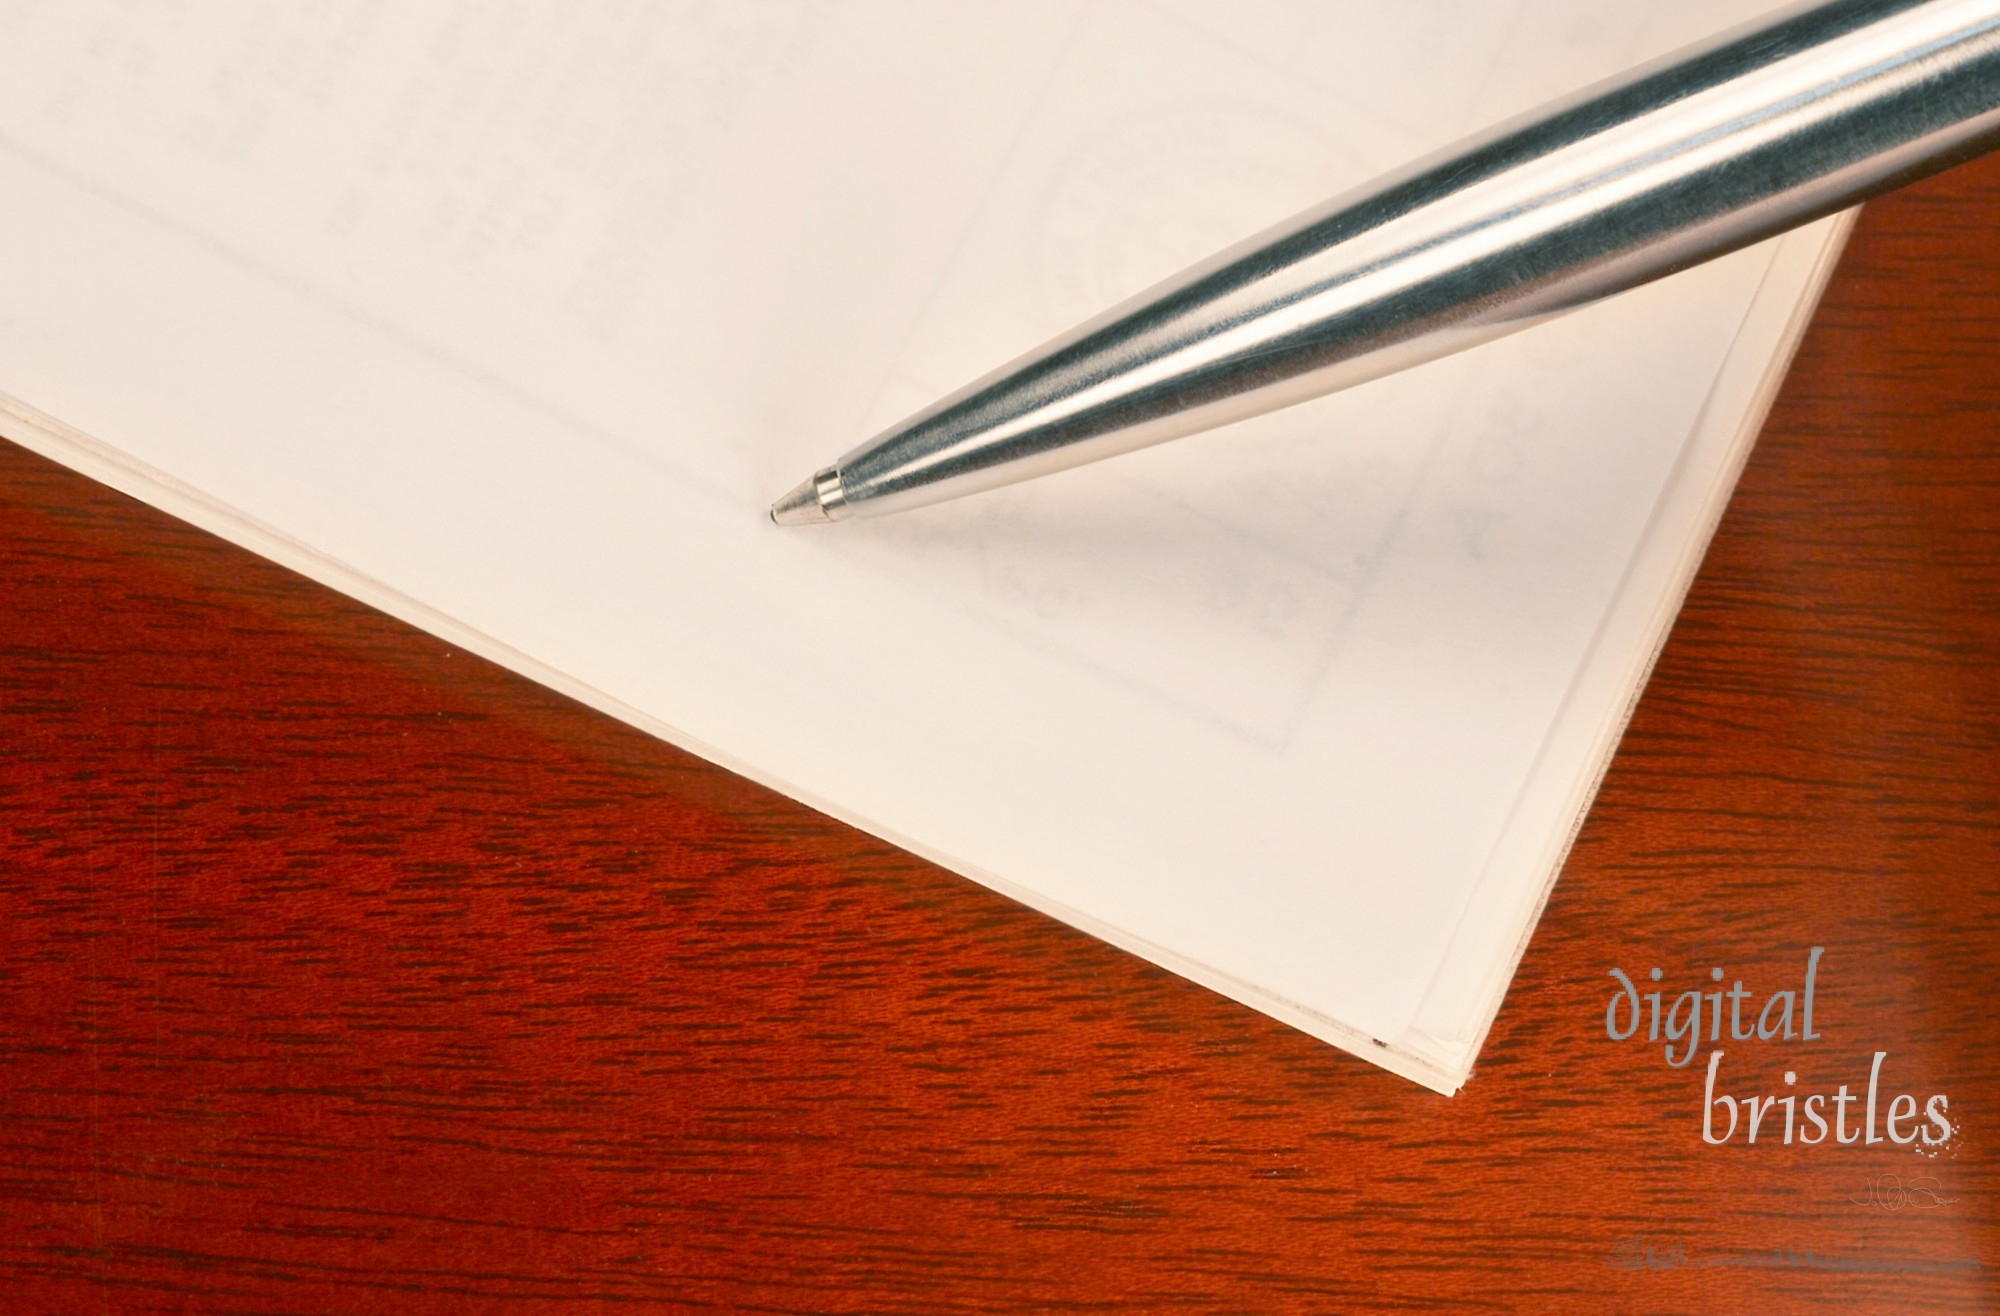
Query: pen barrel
(1673, 163)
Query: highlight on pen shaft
(1755, 131)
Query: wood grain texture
(340, 972)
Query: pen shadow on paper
(1220, 586)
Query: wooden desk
(340, 972)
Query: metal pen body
(1671, 164)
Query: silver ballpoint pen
(1741, 137)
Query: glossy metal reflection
(1757, 131)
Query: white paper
(513, 319)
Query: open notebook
(511, 320)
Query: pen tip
(808, 504)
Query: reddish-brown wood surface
(340, 972)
